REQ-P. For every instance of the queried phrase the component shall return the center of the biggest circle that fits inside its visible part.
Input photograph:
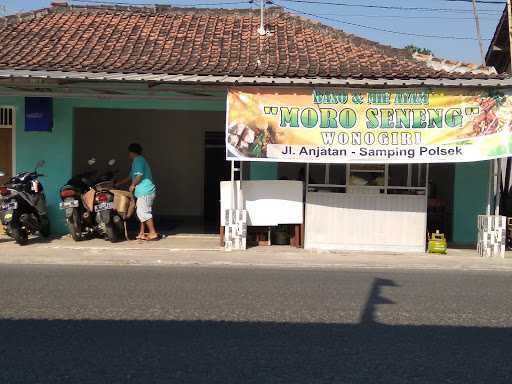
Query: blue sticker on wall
(38, 114)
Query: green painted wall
(56, 147)
(187, 105)
(469, 200)
(263, 171)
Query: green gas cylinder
(437, 243)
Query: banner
(368, 125)
(38, 114)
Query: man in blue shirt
(144, 189)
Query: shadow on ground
(34, 351)
(101, 351)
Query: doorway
(6, 157)
(216, 169)
(173, 142)
(6, 163)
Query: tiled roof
(453, 65)
(168, 40)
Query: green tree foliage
(413, 48)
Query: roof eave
(15, 74)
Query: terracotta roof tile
(172, 40)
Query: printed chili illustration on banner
(368, 125)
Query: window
(369, 178)
(7, 117)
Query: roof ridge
(150, 8)
(22, 16)
(156, 8)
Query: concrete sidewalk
(205, 251)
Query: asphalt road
(205, 325)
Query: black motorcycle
(79, 217)
(23, 209)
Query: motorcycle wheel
(120, 230)
(45, 226)
(74, 226)
(111, 233)
(19, 235)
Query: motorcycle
(79, 218)
(113, 207)
(95, 206)
(23, 209)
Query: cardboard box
(241, 229)
(492, 235)
(230, 232)
(235, 230)
(240, 243)
(229, 216)
(241, 215)
(228, 245)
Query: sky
(449, 19)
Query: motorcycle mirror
(40, 164)
(91, 161)
(2, 173)
(112, 162)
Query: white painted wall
(173, 143)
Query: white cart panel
(378, 222)
(268, 202)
